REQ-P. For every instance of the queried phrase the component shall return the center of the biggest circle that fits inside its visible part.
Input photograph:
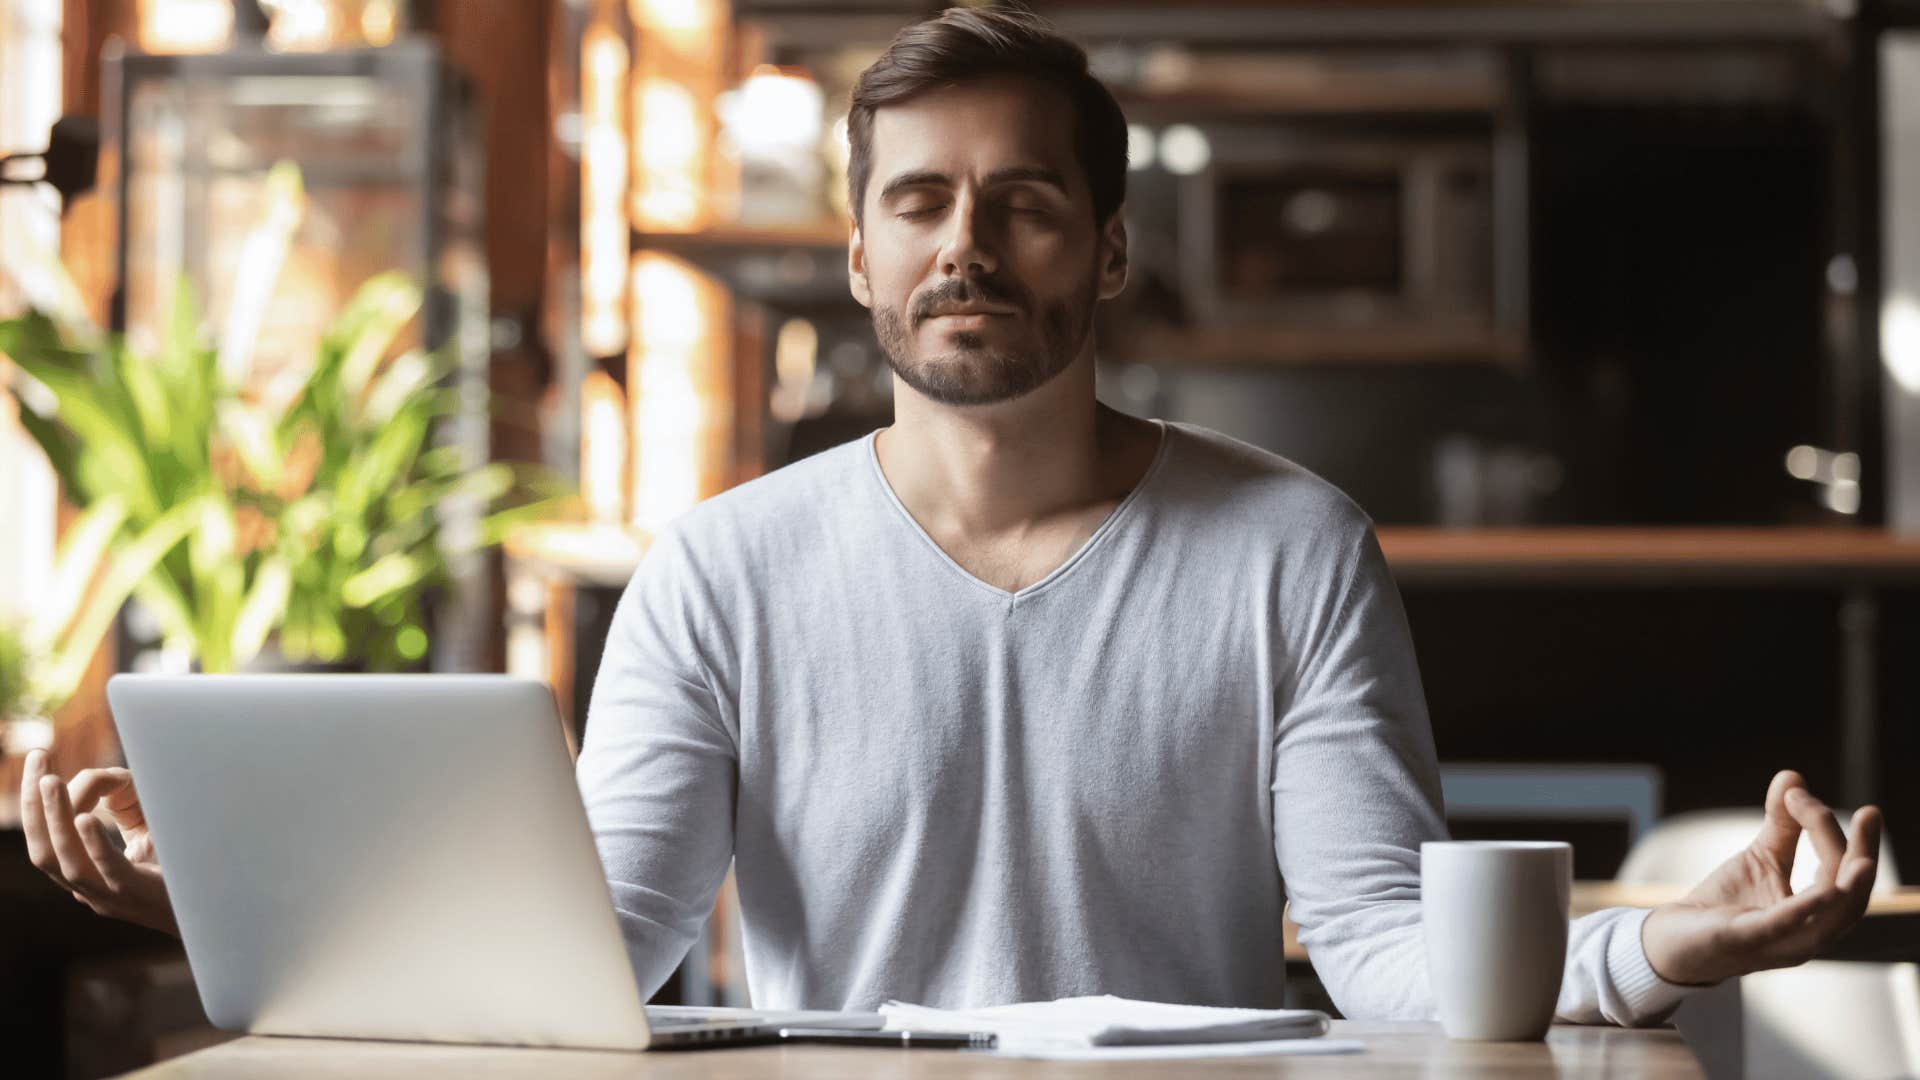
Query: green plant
(236, 515)
(356, 494)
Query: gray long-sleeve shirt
(1106, 782)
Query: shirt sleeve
(1356, 790)
(658, 768)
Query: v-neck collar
(1106, 526)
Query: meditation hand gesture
(69, 843)
(1746, 917)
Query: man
(1020, 697)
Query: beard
(972, 372)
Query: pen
(932, 1040)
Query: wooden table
(1393, 1050)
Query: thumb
(112, 788)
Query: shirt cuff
(1647, 996)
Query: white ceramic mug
(1495, 917)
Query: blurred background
(378, 334)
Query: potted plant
(308, 520)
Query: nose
(965, 251)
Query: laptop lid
(380, 856)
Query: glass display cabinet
(388, 144)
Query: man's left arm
(1356, 789)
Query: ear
(857, 268)
(1113, 255)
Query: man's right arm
(659, 767)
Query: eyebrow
(1039, 174)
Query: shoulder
(806, 490)
(1215, 477)
(767, 520)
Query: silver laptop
(393, 857)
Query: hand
(1745, 917)
(69, 843)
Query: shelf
(607, 555)
(1476, 22)
(1651, 556)
(823, 236)
(1439, 343)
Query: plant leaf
(265, 604)
(107, 457)
(367, 326)
(149, 397)
(59, 444)
(409, 373)
(382, 464)
(75, 565)
(385, 577)
(125, 569)
(261, 256)
(252, 436)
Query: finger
(1828, 841)
(1863, 834)
(137, 893)
(1780, 834)
(1862, 863)
(78, 870)
(115, 870)
(33, 818)
(111, 787)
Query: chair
(1823, 1019)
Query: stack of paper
(1081, 1023)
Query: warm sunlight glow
(773, 110)
(603, 448)
(688, 27)
(603, 192)
(677, 388)
(669, 153)
(185, 26)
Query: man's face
(977, 252)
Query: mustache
(969, 291)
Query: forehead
(973, 128)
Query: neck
(996, 470)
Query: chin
(969, 376)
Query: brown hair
(961, 44)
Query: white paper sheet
(1080, 1022)
(1185, 1050)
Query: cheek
(1051, 249)
(891, 280)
